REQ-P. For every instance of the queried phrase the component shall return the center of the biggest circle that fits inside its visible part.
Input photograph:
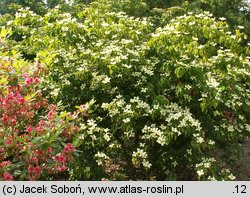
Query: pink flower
(38, 170)
(69, 148)
(84, 107)
(22, 100)
(63, 168)
(49, 150)
(56, 158)
(39, 129)
(34, 159)
(25, 75)
(31, 169)
(8, 142)
(13, 121)
(7, 176)
(40, 152)
(53, 107)
(29, 80)
(5, 163)
(76, 128)
(59, 169)
(50, 115)
(62, 159)
(36, 80)
(29, 129)
(39, 94)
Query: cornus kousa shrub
(35, 141)
(165, 99)
(188, 96)
(203, 67)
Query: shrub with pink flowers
(35, 140)
(169, 89)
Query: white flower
(200, 140)
(189, 151)
(247, 127)
(146, 164)
(126, 120)
(175, 163)
(207, 165)
(105, 106)
(212, 82)
(140, 153)
(144, 90)
(106, 137)
(211, 178)
(198, 15)
(191, 23)
(232, 177)
(161, 141)
(106, 80)
(200, 173)
(230, 128)
(222, 18)
(127, 66)
(101, 157)
(105, 24)
(175, 130)
(91, 123)
(211, 142)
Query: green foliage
(161, 99)
(237, 12)
(11, 6)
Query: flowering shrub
(35, 139)
(165, 98)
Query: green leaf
(223, 88)
(77, 142)
(17, 173)
(180, 71)
(3, 33)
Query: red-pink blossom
(7, 176)
(29, 129)
(38, 170)
(31, 169)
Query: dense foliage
(164, 89)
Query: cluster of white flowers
(106, 80)
(127, 109)
(228, 174)
(247, 127)
(107, 135)
(101, 158)
(204, 166)
(200, 172)
(211, 81)
(184, 116)
(206, 162)
(140, 104)
(147, 70)
(211, 178)
(126, 120)
(115, 106)
(141, 156)
(152, 132)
